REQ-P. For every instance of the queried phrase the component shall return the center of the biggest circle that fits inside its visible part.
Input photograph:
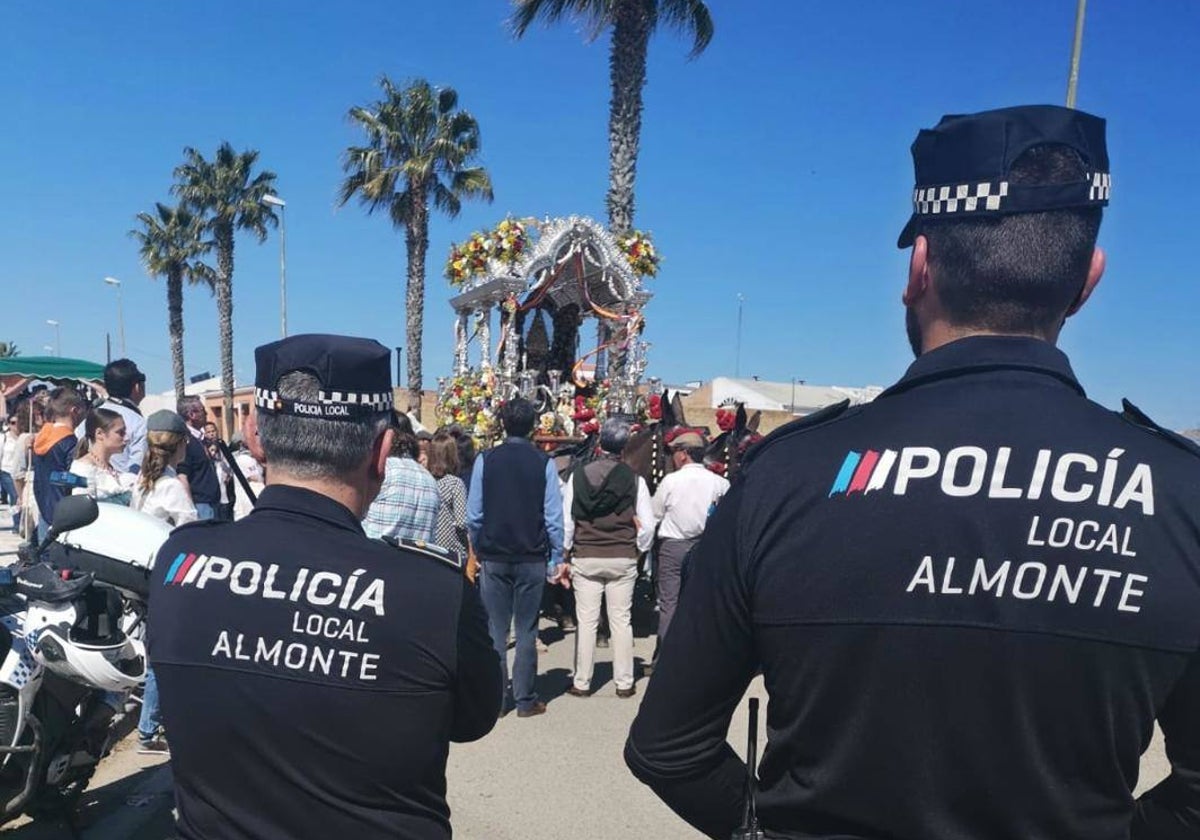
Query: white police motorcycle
(74, 651)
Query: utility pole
(737, 359)
(275, 201)
(1076, 49)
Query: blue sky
(775, 166)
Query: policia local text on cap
(971, 598)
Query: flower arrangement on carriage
(467, 400)
(641, 253)
(545, 280)
(504, 245)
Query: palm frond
(416, 142)
(596, 15)
(472, 183)
(690, 17)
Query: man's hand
(561, 575)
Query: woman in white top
(159, 492)
(103, 437)
(14, 461)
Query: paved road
(558, 774)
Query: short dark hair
(696, 453)
(1019, 272)
(120, 377)
(517, 416)
(404, 442)
(312, 447)
(62, 402)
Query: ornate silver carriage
(568, 272)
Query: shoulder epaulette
(802, 424)
(427, 549)
(1132, 414)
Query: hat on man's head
(687, 440)
(166, 421)
(962, 164)
(355, 376)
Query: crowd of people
(167, 465)
(909, 696)
(519, 525)
(522, 525)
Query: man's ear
(380, 451)
(918, 272)
(1095, 270)
(250, 437)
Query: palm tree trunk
(175, 325)
(416, 238)
(627, 68)
(224, 237)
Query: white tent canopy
(760, 395)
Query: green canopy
(52, 368)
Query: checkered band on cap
(960, 198)
(991, 196)
(379, 402)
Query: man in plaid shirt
(407, 504)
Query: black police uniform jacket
(969, 599)
(311, 678)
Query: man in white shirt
(126, 387)
(682, 504)
(608, 521)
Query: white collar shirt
(684, 500)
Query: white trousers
(594, 578)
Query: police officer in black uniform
(311, 678)
(971, 598)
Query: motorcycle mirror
(71, 513)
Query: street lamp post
(276, 201)
(1076, 49)
(792, 407)
(113, 281)
(737, 359)
(57, 336)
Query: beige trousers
(594, 578)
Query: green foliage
(223, 192)
(689, 17)
(173, 239)
(9, 349)
(419, 150)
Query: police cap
(962, 164)
(355, 376)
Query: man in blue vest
(515, 521)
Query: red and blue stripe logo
(185, 568)
(862, 472)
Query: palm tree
(227, 197)
(419, 150)
(9, 349)
(171, 244)
(633, 22)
